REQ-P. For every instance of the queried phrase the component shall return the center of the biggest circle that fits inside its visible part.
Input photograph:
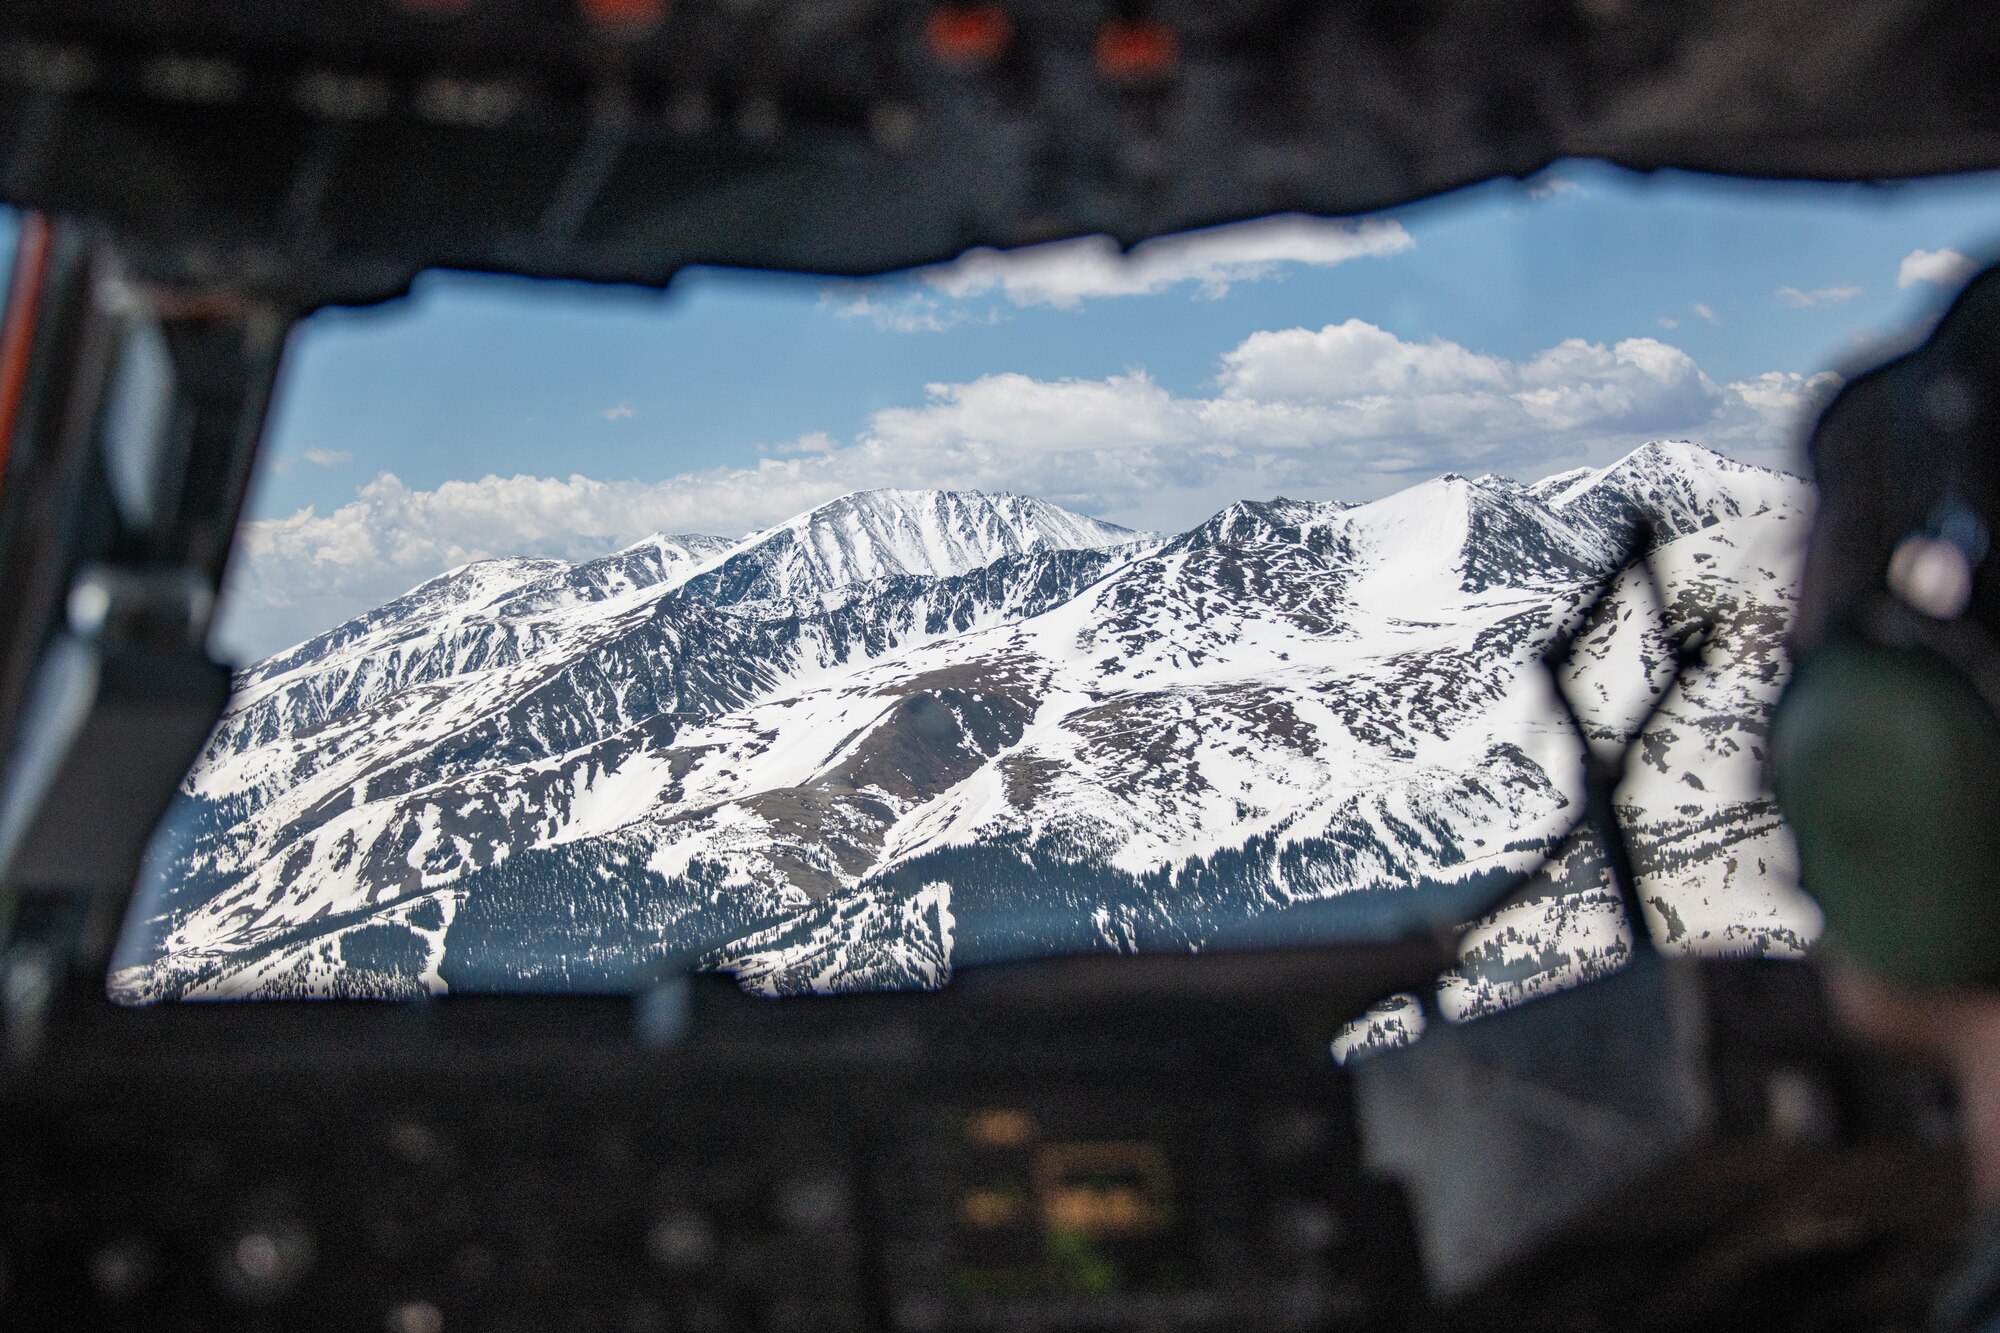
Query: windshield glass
(841, 634)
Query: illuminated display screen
(1038, 1216)
(1082, 1211)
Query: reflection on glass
(10, 231)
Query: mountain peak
(694, 542)
(1678, 448)
(1677, 485)
(917, 494)
(864, 536)
(1278, 519)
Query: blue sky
(1511, 328)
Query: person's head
(1886, 746)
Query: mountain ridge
(1293, 705)
(865, 536)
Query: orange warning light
(624, 15)
(967, 35)
(1132, 52)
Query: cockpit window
(842, 634)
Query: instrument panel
(1109, 1144)
(910, 1163)
(538, 1206)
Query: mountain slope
(480, 615)
(915, 729)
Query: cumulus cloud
(1765, 416)
(1705, 312)
(1350, 360)
(1064, 273)
(1356, 382)
(1640, 384)
(1942, 268)
(619, 412)
(1346, 410)
(1818, 296)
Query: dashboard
(894, 1162)
(1086, 1144)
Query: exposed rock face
(911, 730)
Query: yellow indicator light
(1103, 1189)
(992, 1209)
(1000, 1128)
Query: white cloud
(1352, 359)
(1768, 414)
(1818, 296)
(1669, 322)
(1347, 410)
(910, 314)
(620, 412)
(1064, 273)
(1552, 187)
(1943, 268)
(1640, 384)
(1700, 309)
(1363, 383)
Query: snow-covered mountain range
(911, 730)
